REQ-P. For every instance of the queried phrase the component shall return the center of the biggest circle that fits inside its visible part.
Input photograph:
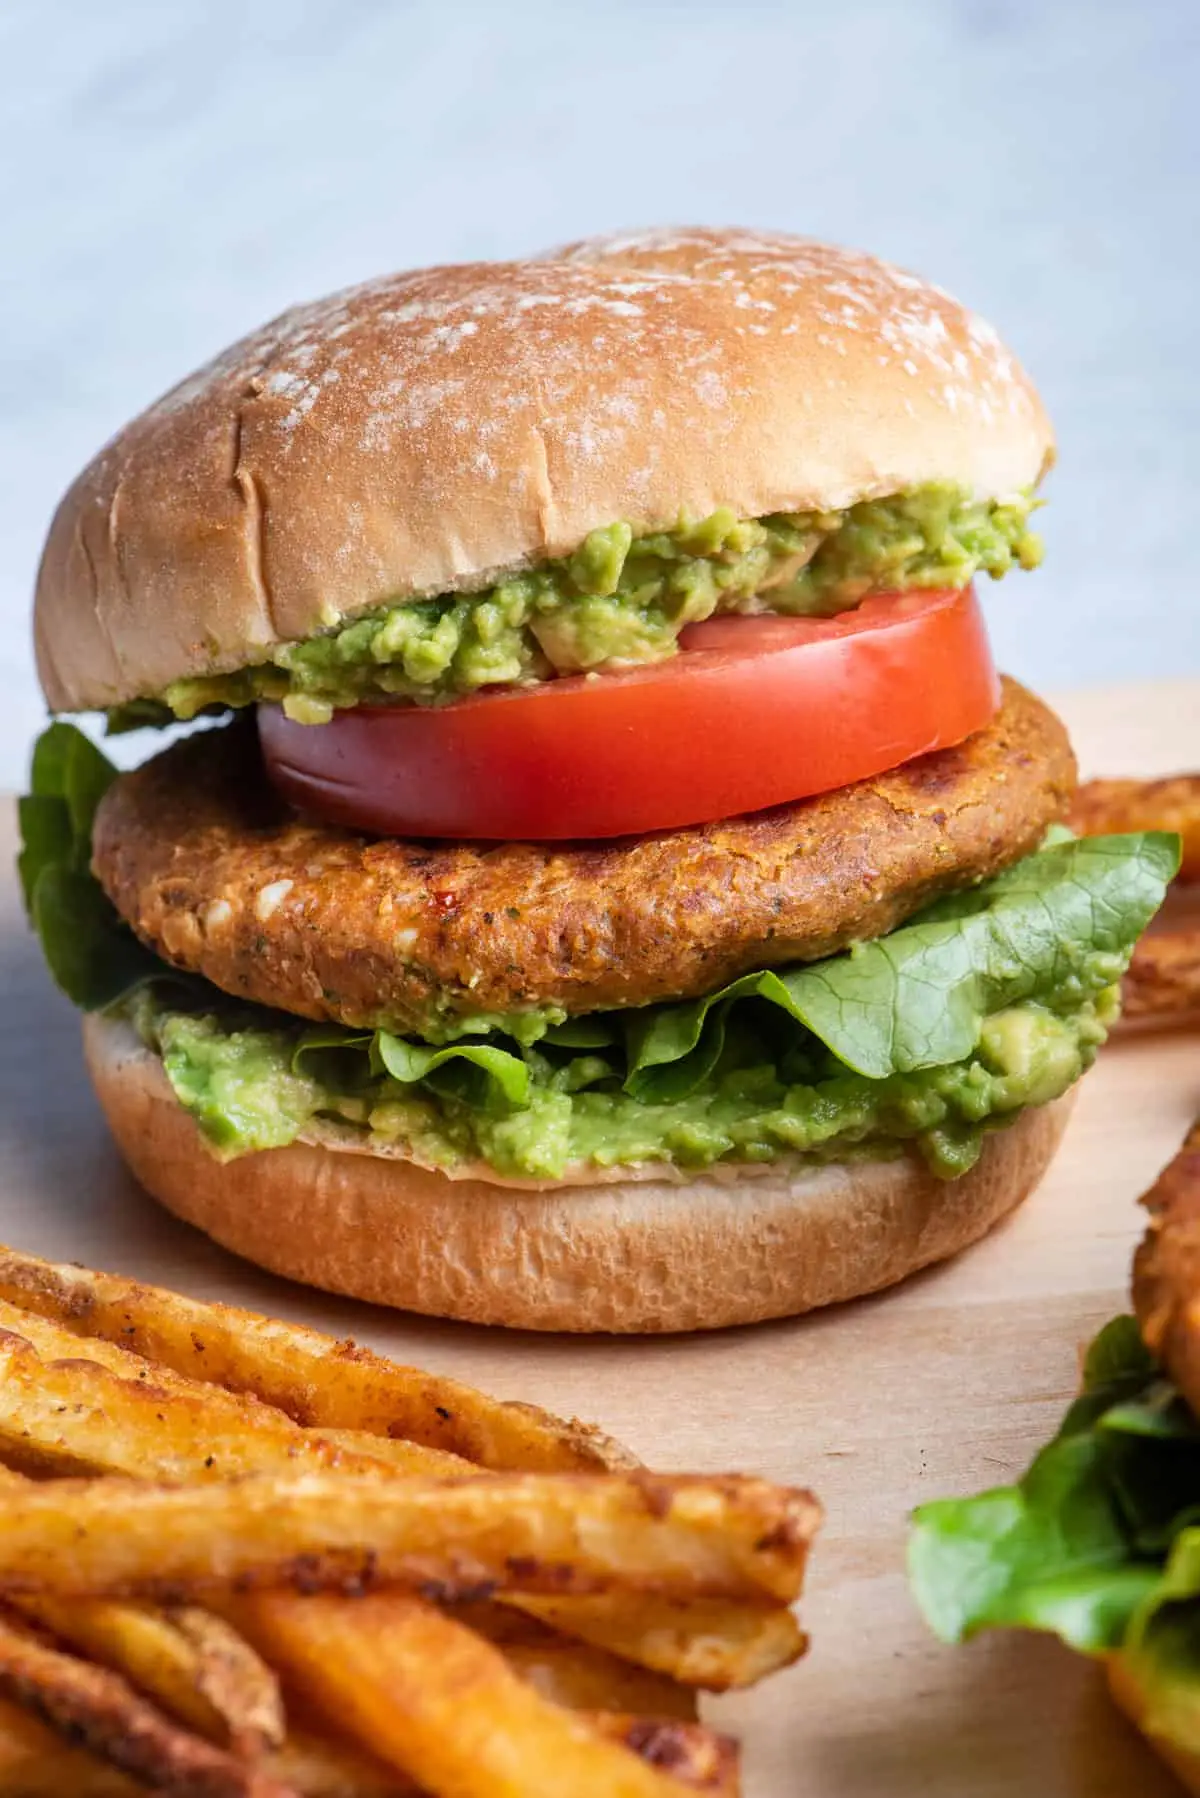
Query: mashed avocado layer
(251, 1086)
(620, 600)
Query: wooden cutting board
(943, 1386)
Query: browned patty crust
(217, 875)
(1166, 1270)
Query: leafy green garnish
(1060, 924)
(1098, 1543)
(94, 957)
(1053, 1552)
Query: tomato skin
(753, 712)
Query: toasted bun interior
(424, 432)
(637, 1256)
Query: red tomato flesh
(752, 712)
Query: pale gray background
(172, 172)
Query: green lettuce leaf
(1098, 1543)
(1061, 922)
(94, 957)
(1051, 1553)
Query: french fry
(189, 1662)
(316, 1379)
(708, 1596)
(95, 1707)
(456, 1732)
(77, 1416)
(1164, 976)
(1112, 807)
(683, 1536)
(703, 1642)
(238, 1685)
(687, 1751)
(143, 1449)
(582, 1677)
(206, 1432)
(316, 1767)
(240, 1411)
(35, 1764)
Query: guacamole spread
(620, 600)
(255, 1085)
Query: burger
(1098, 1543)
(608, 886)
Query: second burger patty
(212, 871)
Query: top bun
(428, 431)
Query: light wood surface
(948, 1384)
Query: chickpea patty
(1166, 1270)
(213, 871)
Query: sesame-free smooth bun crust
(426, 431)
(631, 1256)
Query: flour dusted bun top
(426, 431)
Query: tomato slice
(752, 712)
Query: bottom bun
(645, 1255)
(1128, 1694)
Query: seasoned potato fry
(266, 1470)
(314, 1378)
(704, 1642)
(34, 1763)
(53, 1341)
(1104, 807)
(121, 1426)
(240, 1686)
(576, 1674)
(79, 1417)
(95, 1707)
(318, 1768)
(687, 1536)
(688, 1751)
(1164, 976)
(188, 1661)
(130, 1425)
(1166, 1273)
(454, 1732)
